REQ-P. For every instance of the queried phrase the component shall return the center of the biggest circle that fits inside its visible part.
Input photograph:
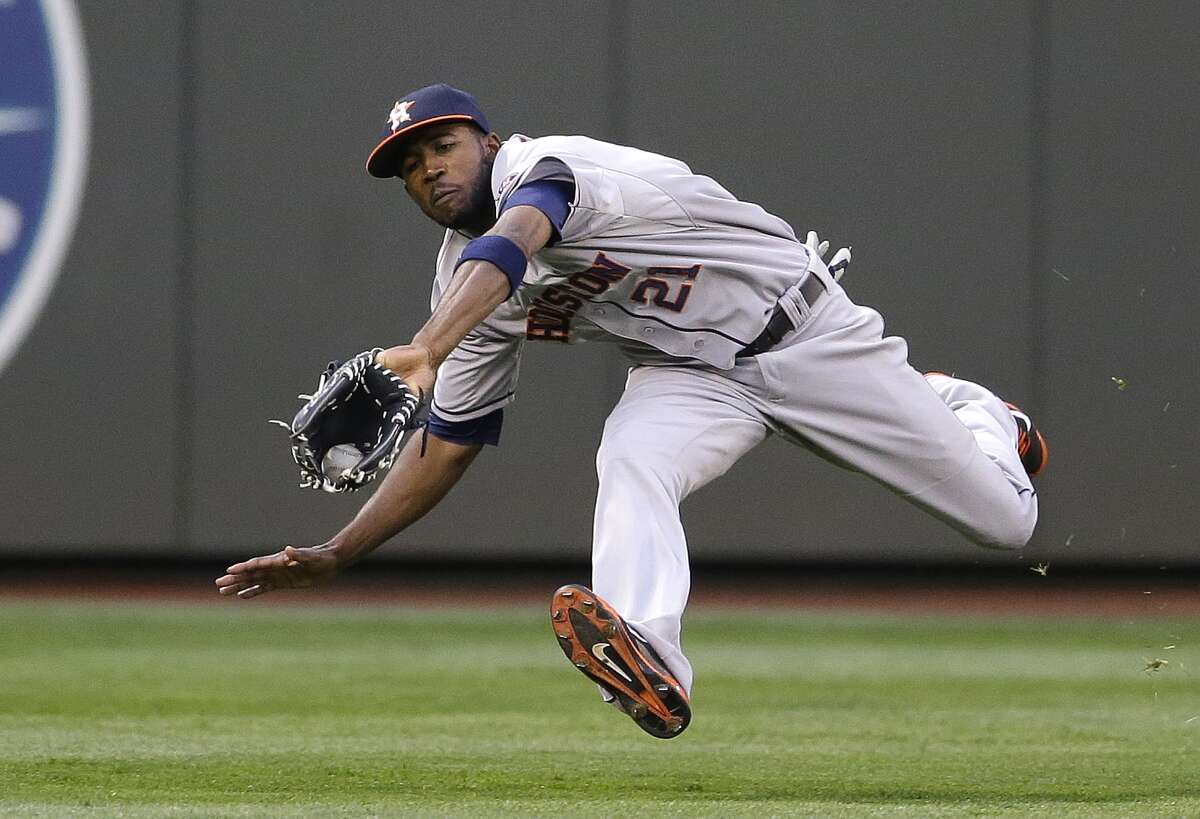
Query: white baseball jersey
(683, 276)
(664, 261)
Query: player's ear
(491, 143)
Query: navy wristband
(500, 251)
(551, 196)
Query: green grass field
(248, 710)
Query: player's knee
(1008, 532)
(620, 466)
(622, 452)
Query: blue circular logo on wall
(43, 154)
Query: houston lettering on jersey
(549, 317)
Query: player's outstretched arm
(414, 485)
(478, 288)
(417, 480)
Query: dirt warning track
(911, 591)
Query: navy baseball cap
(425, 106)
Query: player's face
(447, 171)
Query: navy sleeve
(551, 196)
(482, 430)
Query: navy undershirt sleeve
(551, 196)
(482, 430)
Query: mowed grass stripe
(251, 710)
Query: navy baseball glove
(354, 425)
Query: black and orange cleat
(601, 645)
(1031, 446)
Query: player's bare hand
(412, 363)
(291, 568)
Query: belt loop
(794, 305)
(812, 288)
(790, 311)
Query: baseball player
(734, 330)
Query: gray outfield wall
(1019, 182)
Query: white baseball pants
(834, 385)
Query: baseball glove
(359, 404)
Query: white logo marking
(66, 177)
(21, 120)
(508, 182)
(598, 650)
(400, 114)
(10, 225)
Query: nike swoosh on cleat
(598, 650)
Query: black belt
(779, 325)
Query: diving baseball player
(734, 330)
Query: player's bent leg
(850, 394)
(988, 418)
(672, 432)
(992, 423)
(967, 501)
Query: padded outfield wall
(1018, 181)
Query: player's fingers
(265, 562)
(282, 578)
(235, 587)
(234, 583)
(254, 591)
(822, 248)
(262, 576)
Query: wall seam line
(1039, 230)
(185, 391)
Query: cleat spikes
(611, 654)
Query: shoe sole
(599, 643)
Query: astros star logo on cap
(413, 111)
(400, 113)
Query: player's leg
(992, 422)
(842, 388)
(673, 431)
